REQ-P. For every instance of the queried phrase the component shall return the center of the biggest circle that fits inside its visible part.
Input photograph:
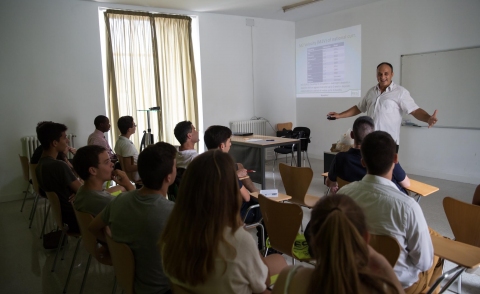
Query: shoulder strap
(290, 275)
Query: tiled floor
(25, 267)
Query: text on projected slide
(329, 64)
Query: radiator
(258, 127)
(30, 143)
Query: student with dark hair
(94, 167)
(345, 263)
(138, 217)
(387, 103)
(204, 246)
(391, 212)
(54, 175)
(187, 136)
(102, 125)
(125, 148)
(348, 165)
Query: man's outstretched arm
(422, 115)
(347, 113)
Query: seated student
(102, 125)
(138, 217)
(93, 165)
(348, 166)
(218, 137)
(390, 212)
(55, 175)
(125, 148)
(204, 247)
(345, 263)
(187, 136)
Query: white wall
(226, 46)
(51, 70)
(389, 29)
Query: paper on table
(253, 140)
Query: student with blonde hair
(204, 246)
(345, 263)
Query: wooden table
(421, 189)
(466, 256)
(261, 143)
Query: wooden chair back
(282, 221)
(36, 187)
(286, 126)
(387, 246)
(463, 219)
(296, 181)
(55, 208)
(130, 175)
(89, 240)
(25, 167)
(123, 264)
(476, 196)
(341, 182)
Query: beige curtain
(150, 63)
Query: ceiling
(270, 9)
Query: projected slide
(329, 64)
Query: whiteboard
(448, 81)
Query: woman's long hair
(336, 228)
(208, 202)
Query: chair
(90, 243)
(130, 175)
(463, 219)
(476, 196)
(26, 176)
(123, 263)
(304, 141)
(341, 182)
(302, 133)
(284, 126)
(57, 213)
(296, 181)
(36, 189)
(387, 246)
(283, 221)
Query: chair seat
(310, 201)
(283, 150)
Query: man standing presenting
(102, 125)
(386, 103)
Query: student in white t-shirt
(187, 136)
(204, 247)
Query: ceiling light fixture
(299, 4)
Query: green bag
(300, 247)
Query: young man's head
(156, 165)
(185, 131)
(378, 153)
(126, 125)
(362, 127)
(93, 161)
(102, 123)
(52, 135)
(218, 137)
